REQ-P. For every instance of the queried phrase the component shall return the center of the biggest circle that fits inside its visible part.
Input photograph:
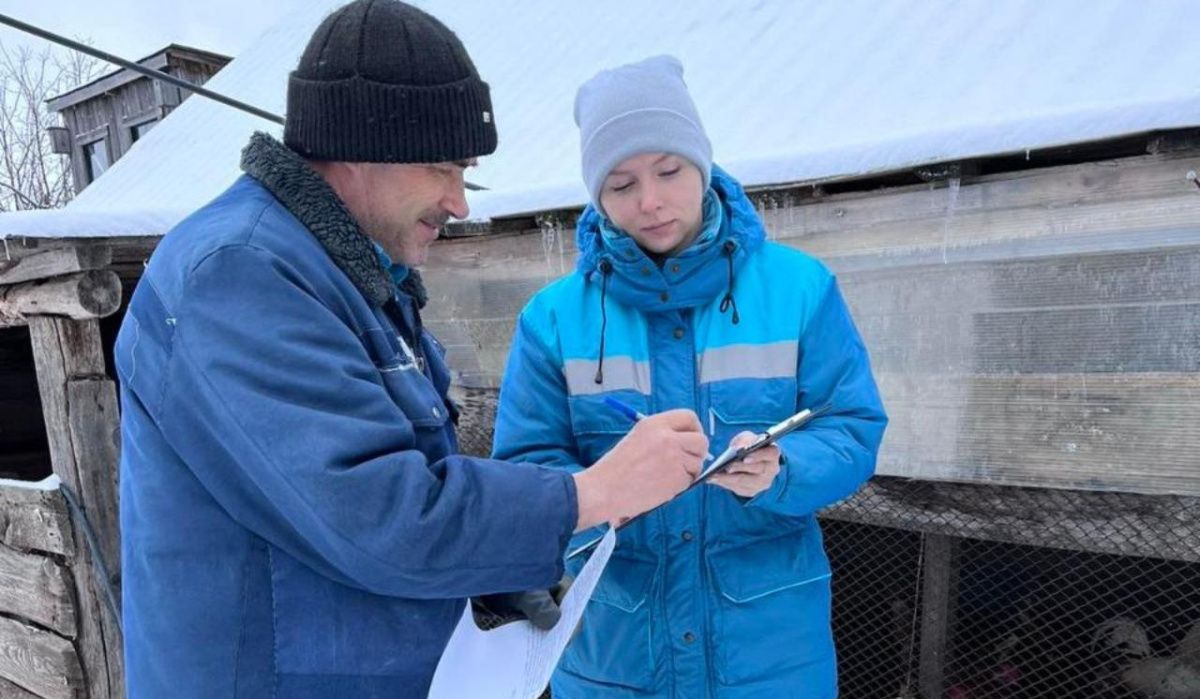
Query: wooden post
(80, 408)
(939, 601)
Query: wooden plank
(976, 229)
(128, 253)
(64, 351)
(39, 661)
(1081, 278)
(132, 252)
(16, 247)
(54, 263)
(32, 519)
(1068, 186)
(939, 602)
(36, 588)
(1124, 524)
(73, 345)
(8, 690)
(92, 294)
(95, 437)
(1115, 432)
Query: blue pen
(632, 414)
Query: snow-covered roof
(789, 90)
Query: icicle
(952, 187)
(551, 228)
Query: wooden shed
(1025, 270)
(104, 118)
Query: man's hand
(656, 461)
(751, 475)
(540, 607)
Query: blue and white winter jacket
(712, 595)
(295, 521)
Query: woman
(677, 301)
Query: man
(295, 520)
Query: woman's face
(657, 199)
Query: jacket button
(664, 297)
(645, 271)
(678, 333)
(688, 637)
(686, 536)
(675, 268)
(437, 413)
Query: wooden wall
(59, 636)
(1039, 328)
(39, 619)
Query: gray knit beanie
(641, 107)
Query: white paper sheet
(514, 661)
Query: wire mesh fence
(986, 591)
(989, 592)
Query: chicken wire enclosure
(967, 592)
(476, 419)
(876, 593)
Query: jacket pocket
(414, 395)
(772, 607)
(616, 641)
(731, 521)
(747, 405)
(597, 427)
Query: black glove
(540, 607)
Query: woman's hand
(752, 475)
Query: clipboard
(724, 460)
(765, 439)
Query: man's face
(403, 207)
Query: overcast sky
(134, 29)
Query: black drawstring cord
(605, 268)
(727, 301)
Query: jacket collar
(693, 277)
(310, 199)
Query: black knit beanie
(384, 82)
